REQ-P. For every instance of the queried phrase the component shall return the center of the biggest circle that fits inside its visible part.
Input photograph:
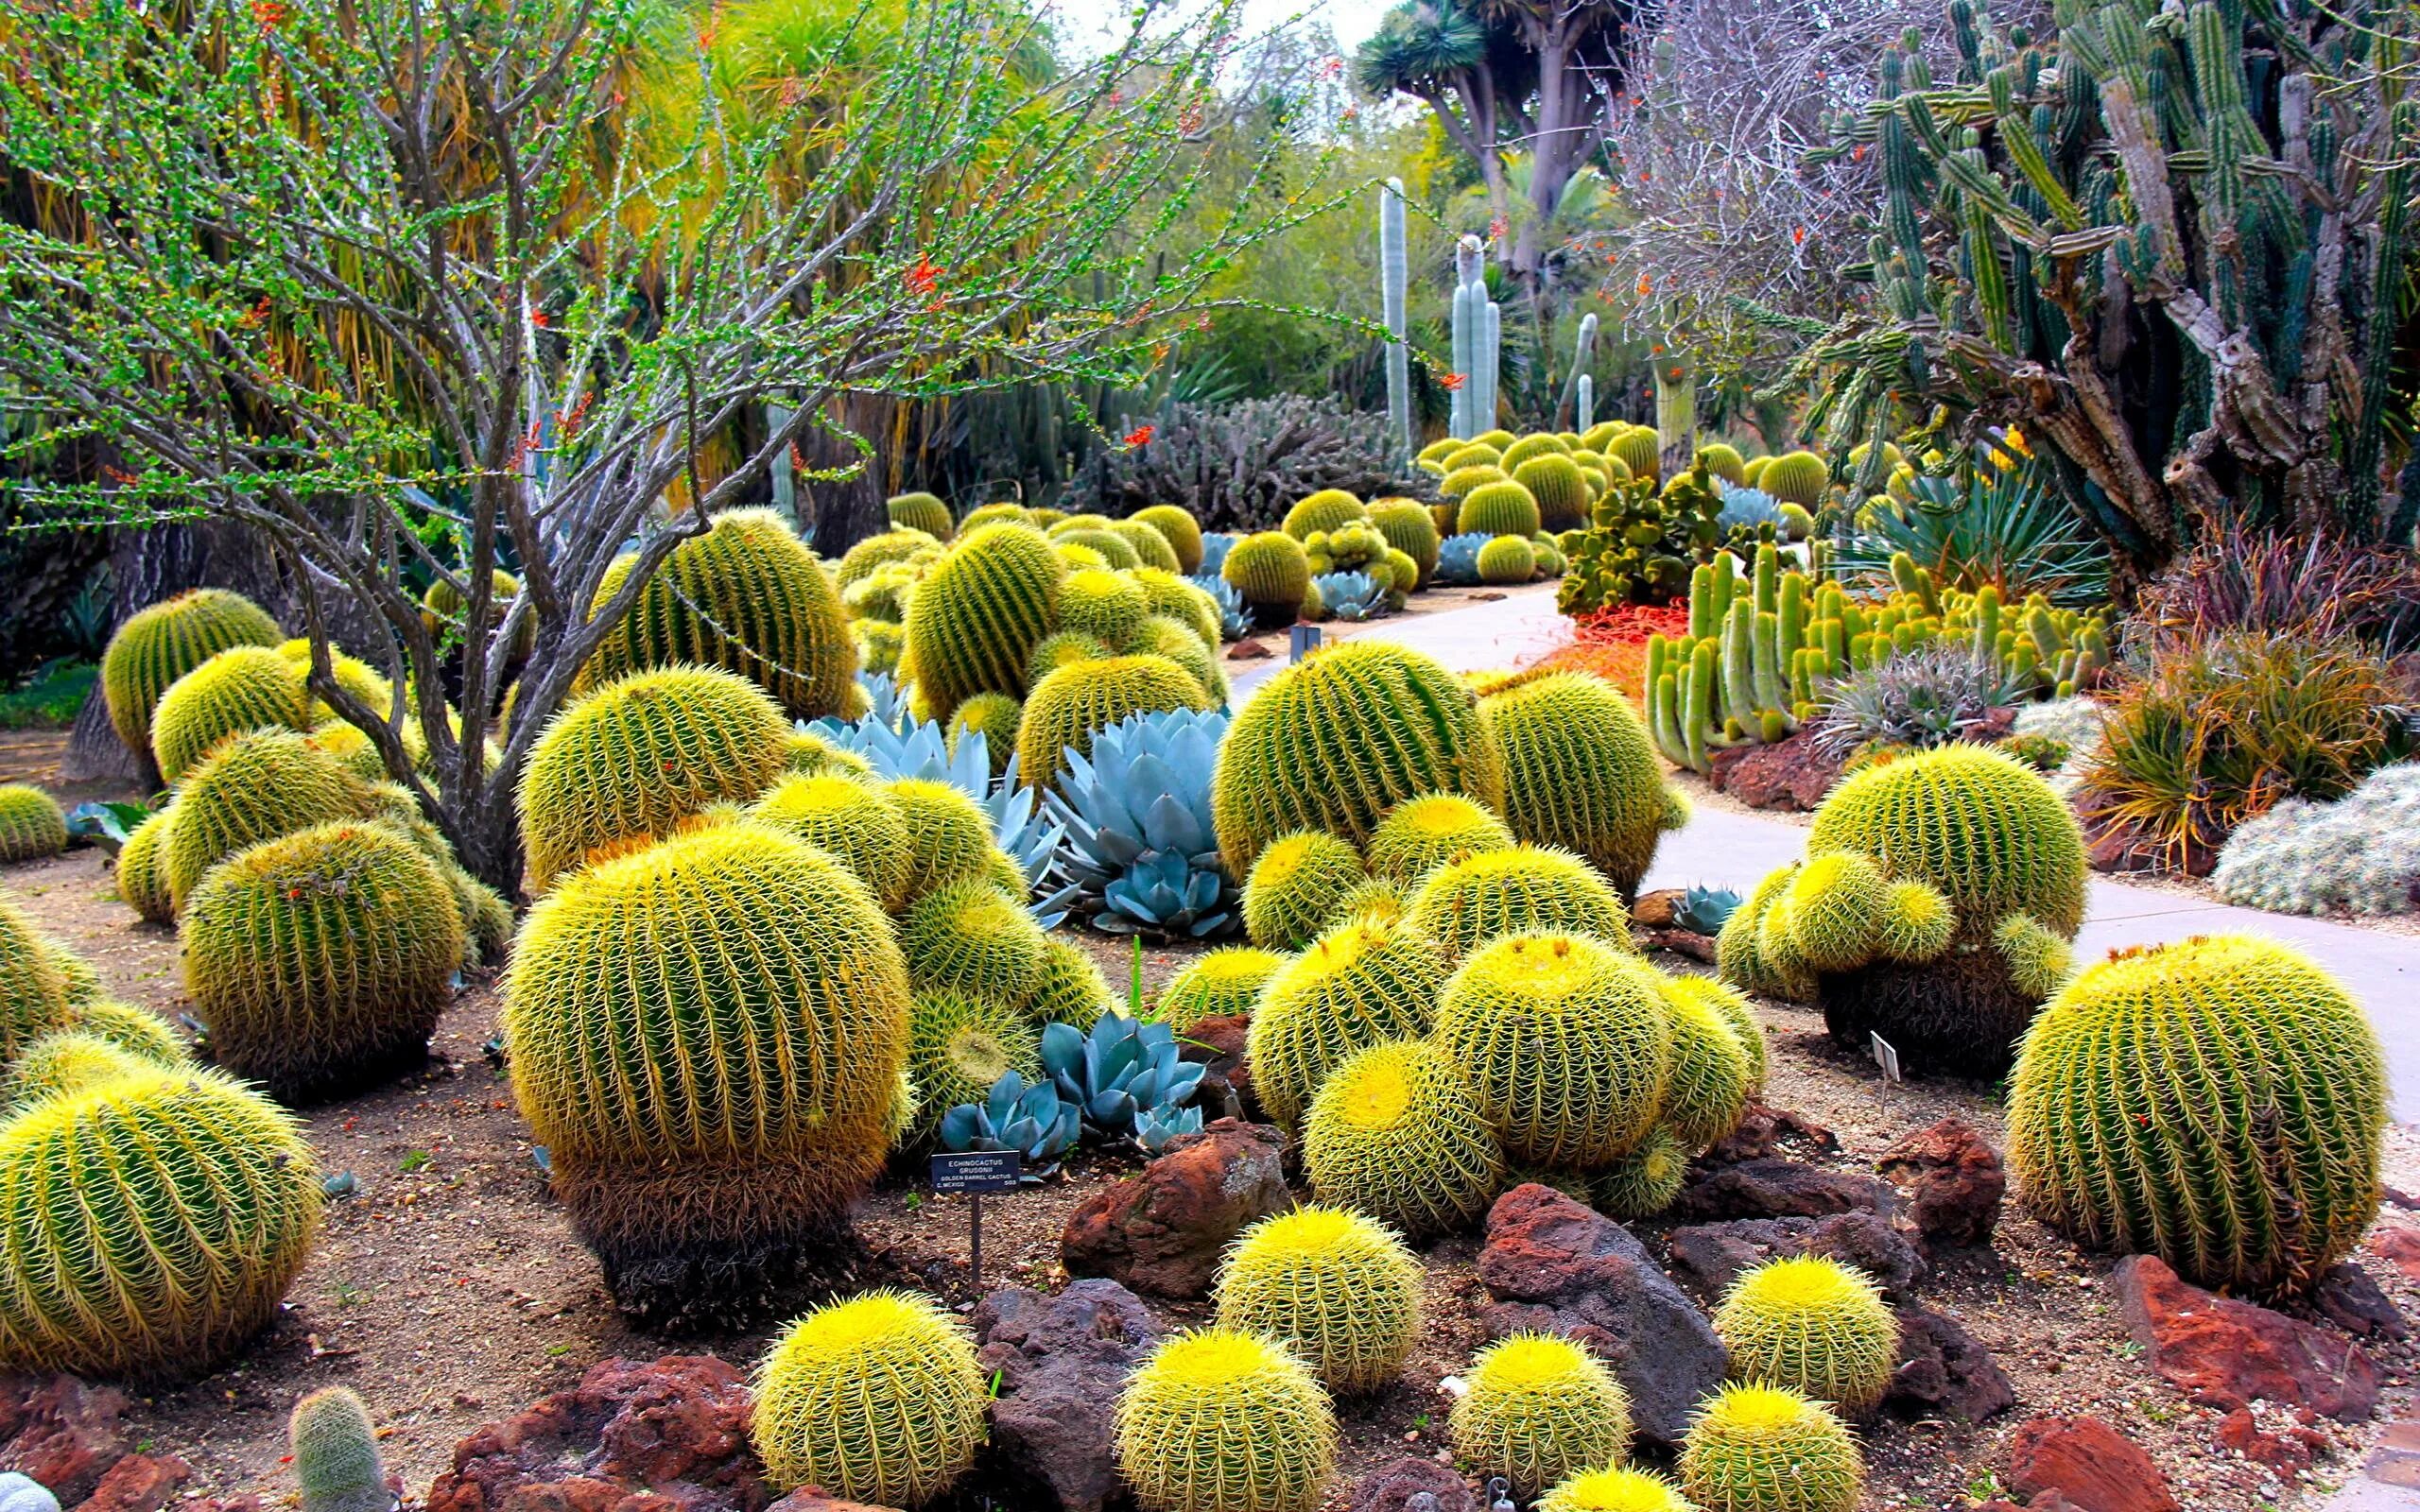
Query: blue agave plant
(1153, 1130)
(1139, 839)
(1743, 506)
(1458, 557)
(1214, 546)
(1702, 909)
(1124, 1072)
(1351, 595)
(1031, 1119)
(1235, 618)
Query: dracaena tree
(400, 289)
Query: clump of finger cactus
(1559, 489)
(949, 836)
(1760, 1449)
(1409, 528)
(959, 1044)
(1488, 894)
(1580, 772)
(142, 875)
(1338, 1289)
(1932, 909)
(1179, 528)
(1566, 1041)
(1294, 885)
(975, 619)
(855, 821)
(1397, 1132)
(1365, 982)
(1335, 741)
(335, 1452)
(319, 961)
(920, 511)
(1273, 572)
(241, 688)
(1317, 513)
(158, 645)
(152, 1223)
(973, 940)
(254, 787)
(1810, 1324)
(1422, 833)
(1068, 708)
(2218, 1103)
(1615, 1490)
(1220, 1420)
(633, 758)
(1644, 1182)
(781, 1119)
(1503, 509)
(1219, 984)
(878, 1399)
(1539, 1409)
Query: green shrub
(878, 1399)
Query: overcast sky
(1091, 24)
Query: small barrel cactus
(1643, 1182)
(1795, 478)
(1507, 559)
(242, 688)
(1221, 984)
(949, 838)
(142, 875)
(972, 939)
(1422, 833)
(1732, 1006)
(31, 825)
(878, 1399)
(1503, 509)
(1367, 981)
(1567, 1042)
(1178, 527)
(1273, 572)
(2218, 1103)
(1622, 1490)
(1490, 894)
(1071, 988)
(1562, 490)
(1107, 606)
(975, 619)
(1150, 548)
(1340, 1290)
(1294, 886)
(958, 1045)
(335, 1450)
(254, 787)
(1218, 1420)
(320, 960)
(924, 512)
(1326, 511)
(159, 645)
(33, 990)
(152, 1222)
(1397, 1133)
(66, 1060)
(1760, 1449)
(1068, 706)
(995, 717)
(1539, 1409)
(1711, 1071)
(855, 821)
(1409, 528)
(1810, 1324)
(1580, 773)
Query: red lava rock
(1954, 1181)
(674, 1428)
(138, 1482)
(2224, 1352)
(2045, 1502)
(1793, 774)
(2398, 1245)
(1770, 1186)
(1162, 1229)
(2088, 1463)
(2287, 1454)
(1218, 1044)
(61, 1431)
(1249, 650)
(811, 1499)
(1764, 1130)
(1655, 910)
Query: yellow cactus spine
(142, 875)
(1222, 1421)
(1179, 529)
(949, 839)
(1340, 1290)
(1490, 894)
(1614, 1492)
(1072, 988)
(1273, 572)
(855, 821)
(1296, 885)
(1759, 1449)
(1708, 1091)
(1645, 1181)
(878, 1399)
(1366, 982)
(1433, 829)
(1540, 1409)
(1397, 1133)
(924, 512)
(33, 990)
(158, 645)
(1219, 984)
(1810, 1325)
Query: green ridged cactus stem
(33, 990)
(878, 1399)
(1396, 1132)
(241, 688)
(1433, 829)
(927, 512)
(254, 787)
(1643, 1182)
(1539, 1409)
(1810, 1324)
(973, 940)
(1222, 984)
(142, 876)
(154, 1223)
(1759, 1449)
(334, 1449)
(1072, 988)
(1578, 394)
(1580, 772)
(1179, 528)
(2218, 1103)
(1218, 1420)
(1507, 559)
(1273, 572)
(1339, 1289)
(975, 619)
(1707, 1095)
(949, 838)
(1295, 886)
(1368, 981)
(158, 645)
(1505, 509)
(855, 821)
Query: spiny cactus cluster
(1368, 981)
(2218, 1103)
(1396, 1132)
(1219, 1420)
(1338, 1289)
(877, 1399)
(1934, 908)
(158, 645)
(2360, 854)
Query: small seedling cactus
(336, 1455)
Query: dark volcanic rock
(1391, 1486)
(1770, 1186)
(1954, 1182)
(1711, 1256)
(1944, 1372)
(1061, 1361)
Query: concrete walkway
(1735, 851)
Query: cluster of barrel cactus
(1514, 503)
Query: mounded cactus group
(878, 1399)
(158, 645)
(1367, 981)
(976, 617)
(1219, 1420)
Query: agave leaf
(1063, 1049)
(960, 1125)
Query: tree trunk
(836, 515)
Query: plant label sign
(1303, 642)
(1886, 1056)
(975, 1171)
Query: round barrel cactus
(158, 645)
(853, 820)
(1219, 984)
(152, 1221)
(2218, 1103)
(633, 758)
(254, 787)
(1340, 1290)
(1179, 528)
(1108, 605)
(1296, 885)
(975, 619)
(1068, 708)
(949, 838)
(1366, 982)
(1796, 477)
(1561, 490)
(1273, 572)
(877, 1399)
(1397, 1132)
(881, 550)
(1540, 1408)
(31, 825)
(1335, 741)
(925, 512)
(142, 874)
(1181, 599)
(1643, 1182)
(243, 688)
(1760, 1449)
(769, 974)
(1503, 509)
(1410, 529)
(1810, 1324)
(1071, 988)
(1326, 511)
(1707, 1095)
(1635, 448)
(1490, 894)
(1507, 559)
(1619, 1491)
(1150, 548)
(319, 961)
(1218, 1420)
(1433, 829)
(1580, 772)
(972, 939)
(33, 990)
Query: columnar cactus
(335, 1452)
(1366, 982)
(855, 821)
(1397, 1133)
(878, 1399)
(1296, 885)
(152, 1223)
(976, 617)
(747, 597)
(320, 960)
(1539, 1409)
(1567, 1043)
(1068, 706)
(1217, 984)
(243, 688)
(1808, 1324)
(1218, 1420)
(1393, 284)
(778, 1120)
(1335, 741)
(158, 645)
(1759, 1448)
(254, 787)
(2218, 1103)
(633, 758)
(1488, 894)
(1338, 1289)
(1580, 772)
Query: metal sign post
(975, 1171)
(1886, 1056)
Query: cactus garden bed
(450, 1290)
